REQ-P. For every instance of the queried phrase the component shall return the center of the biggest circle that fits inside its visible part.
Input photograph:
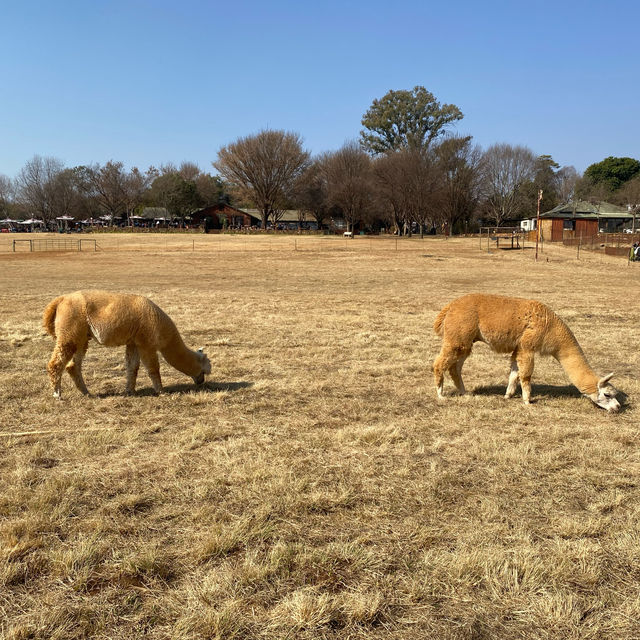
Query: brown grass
(315, 488)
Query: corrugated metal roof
(290, 215)
(587, 211)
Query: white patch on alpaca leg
(513, 380)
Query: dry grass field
(314, 487)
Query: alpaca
(520, 327)
(115, 319)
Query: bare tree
(424, 189)
(264, 168)
(7, 193)
(629, 195)
(348, 175)
(108, 186)
(135, 186)
(505, 169)
(389, 176)
(64, 189)
(459, 162)
(409, 186)
(567, 177)
(36, 187)
(189, 171)
(310, 193)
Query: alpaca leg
(61, 355)
(448, 361)
(132, 362)
(525, 366)
(513, 377)
(149, 359)
(74, 368)
(455, 371)
(439, 367)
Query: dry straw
(315, 487)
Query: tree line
(44, 188)
(407, 172)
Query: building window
(569, 225)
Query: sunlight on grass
(314, 487)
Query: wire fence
(603, 239)
(610, 244)
(53, 244)
(174, 242)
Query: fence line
(241, 243)
(52, 244)
(218, 243)
(607, 239)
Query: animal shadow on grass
(539, 391)
(183, 388)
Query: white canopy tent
(10, 223)
(32, 222)
(63, 221)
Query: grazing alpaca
(520, 327)
(115, 319)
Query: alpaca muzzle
(606, 400)
(613, 406)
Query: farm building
(582, 219)
(290, 219)
(235, 217)
(238, 218)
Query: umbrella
(7, 220)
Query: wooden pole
(538, 223)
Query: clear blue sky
(151, 82)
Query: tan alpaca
(520, 327)
(115, 319)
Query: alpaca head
(205, 365)
(605, 396)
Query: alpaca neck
(573, 361)
(180, 357)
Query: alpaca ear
(604, 380)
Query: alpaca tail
(49, 316)
(437, 325)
